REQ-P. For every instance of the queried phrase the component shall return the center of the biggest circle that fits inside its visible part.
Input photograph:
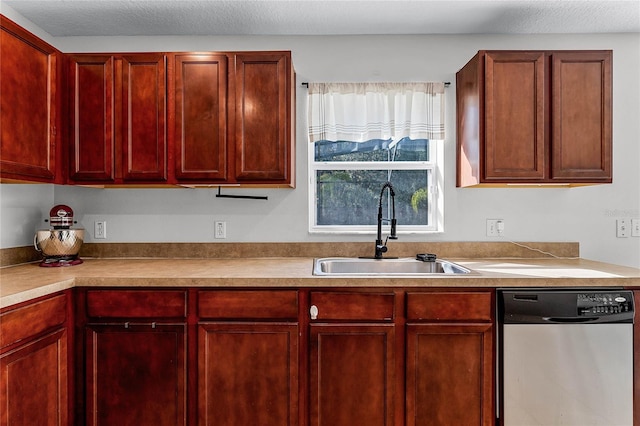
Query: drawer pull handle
(313, 311)
(141, 324)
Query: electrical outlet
(495, 227)
(100, 230)
(635, 227)
(220, 229)
(622, 228)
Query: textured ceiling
(313, 17)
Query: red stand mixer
(60, 244)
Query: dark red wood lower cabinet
(352, 374)
(136, 374)
(253, 357)
(34, 382)
(248, 374)
(449, 374)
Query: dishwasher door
(570, 374)
(565, 363)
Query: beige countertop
(27, 281)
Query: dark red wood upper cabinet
(30, 104)
(144, 118)
(118, 118)
(92, 118)
(233, 118)
(143, 127)
(514, 116)
(581, 116)
(263, 117)
(200, 90)
(534, 117)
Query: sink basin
(394, 267)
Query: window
(353, 153)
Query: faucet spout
(382, 247)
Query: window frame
(435, 203)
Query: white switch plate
(622, 228)
(635, 227)
(220, 229)
(100, 230)
(495, 227)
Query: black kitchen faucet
(380, 247)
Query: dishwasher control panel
(599, 304)
(565, 306)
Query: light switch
(495, 227)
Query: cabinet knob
(313, 311)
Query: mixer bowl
(59, 243)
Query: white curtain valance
(363, 111)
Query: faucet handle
(393, 235)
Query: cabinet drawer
(353, 306)
(256, 304)
(21, 323)
(444, 306)
(136, 303)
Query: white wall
(585, 214)
(23, 210)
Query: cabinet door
(29, 102)
(200, 117)
(248, 374)
(449, 374)
(514, 116)
(34, 382)
(135, 374)
(263, 117)
(92, 142)
(352, 374)
(581, 116)
(143, 124)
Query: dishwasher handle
(570, 320)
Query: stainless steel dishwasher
(565, 357)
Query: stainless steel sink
(393, 267)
